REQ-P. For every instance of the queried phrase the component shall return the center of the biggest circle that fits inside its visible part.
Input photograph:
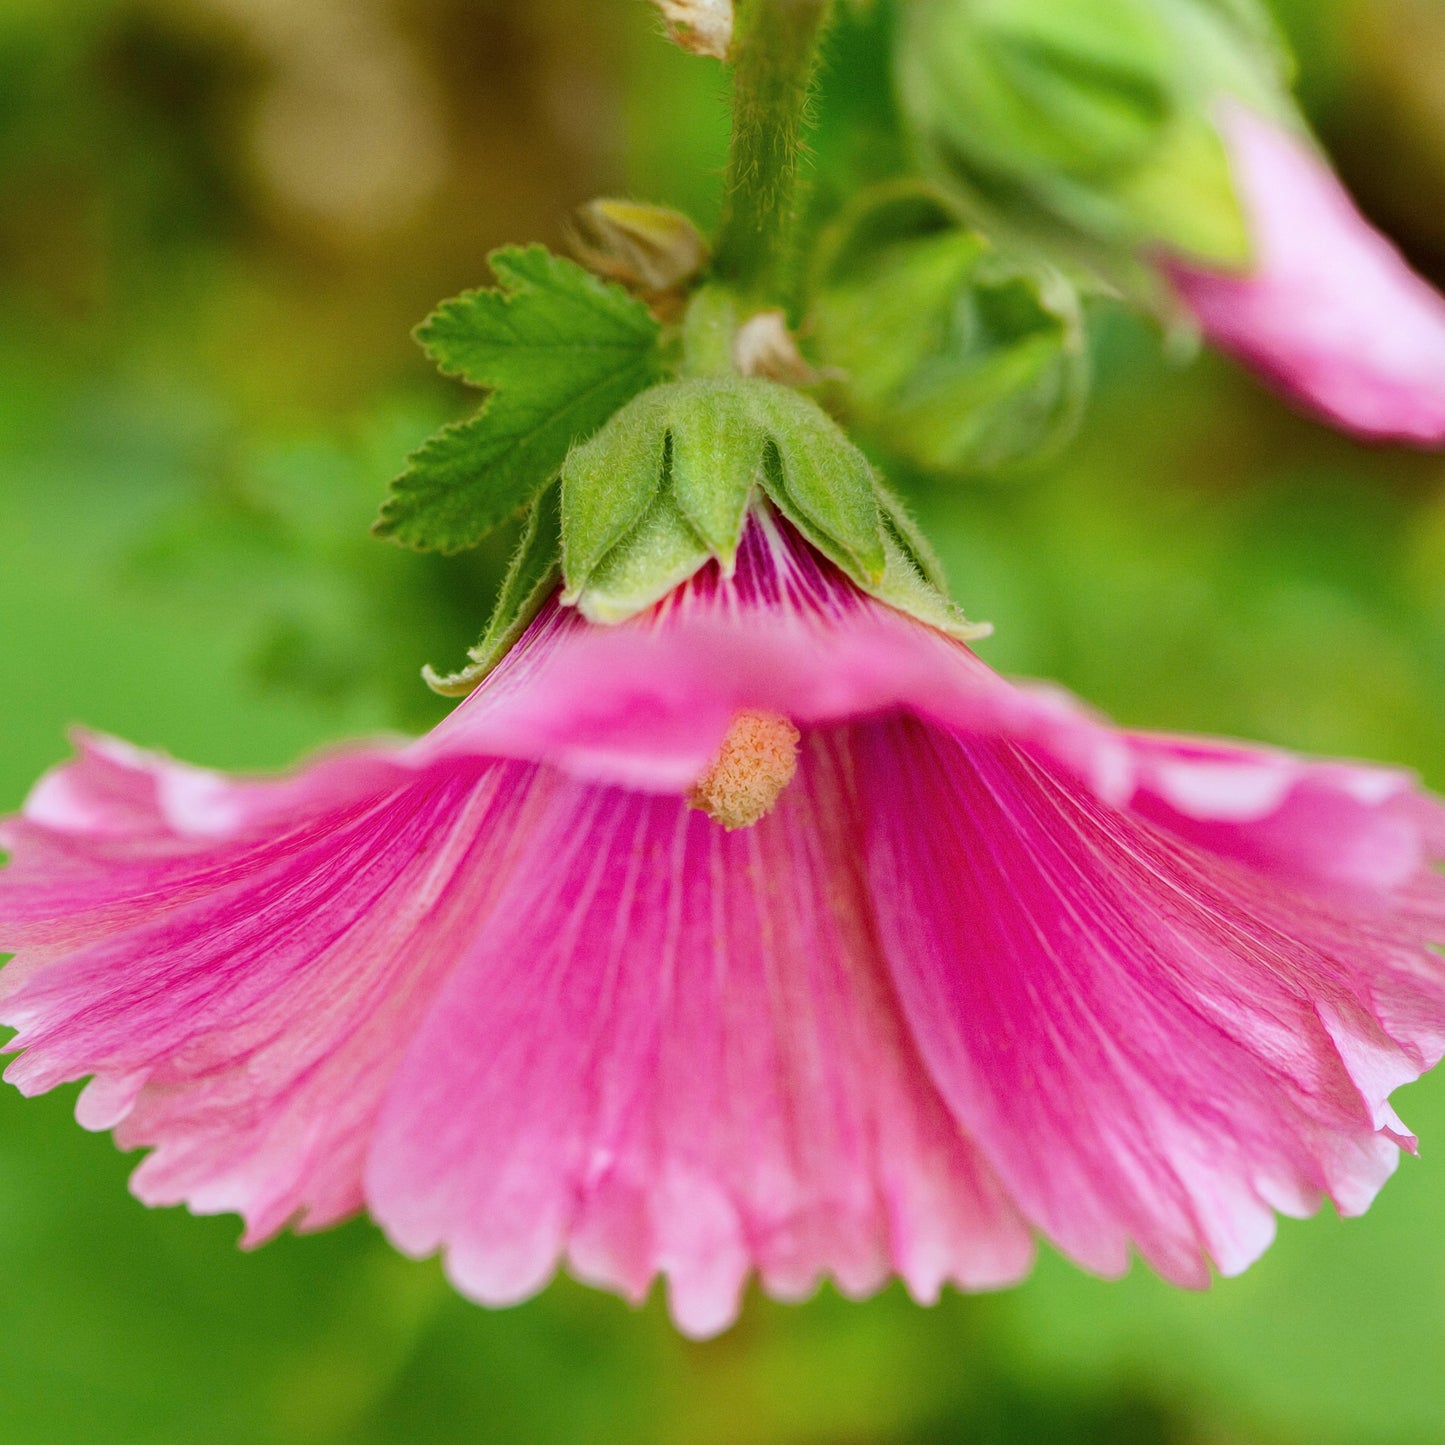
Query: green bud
(1074, 85)
(951, 353)
(668, 484)
(648, 249)
(1089, 123)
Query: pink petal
(242, 1002)
(1340, 825)
(1157, 1045)
(1331, 313)
(688, 1062)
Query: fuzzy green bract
(531, 578)
(558, 351)
(668, 483)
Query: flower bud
(1156, 143)
(1328, 310)
(648, 249)
(947, 350)
(1089, 122)
(704, 27)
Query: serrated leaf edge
(514, 285)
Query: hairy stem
(774, 53)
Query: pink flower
(985, 967)
(1331, 313)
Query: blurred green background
(218, 221)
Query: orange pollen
(759, 758)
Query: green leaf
(549, 323)
(535, 571)
(560, 352)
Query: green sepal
(660, 553)
(559, 351)
(907, 535)
(610, 482)
(716, 461)
(906, 588)
(669, 483)
(532, 577)
(948, 351)
(1185, 198)
(707, 443)
(820, 481)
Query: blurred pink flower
(1331, 312)
(987, 967)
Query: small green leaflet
(559, 352)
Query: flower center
(758, 760)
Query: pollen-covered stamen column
(774, 54)
(758, 759)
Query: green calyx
(668, 484)
(1091, 117)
